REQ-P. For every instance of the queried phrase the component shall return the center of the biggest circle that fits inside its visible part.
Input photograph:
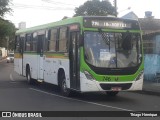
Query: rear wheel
(112, 93)
(63, 86)
(28, 75)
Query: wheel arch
(60, 72)
(27, 67)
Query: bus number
(106, 78)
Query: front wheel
(112, 93)
(64, 90)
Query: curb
(149, 92)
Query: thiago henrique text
(143, 115)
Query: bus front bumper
(95, 86)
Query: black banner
(80, 114)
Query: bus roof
(78, 19)
(50, 25)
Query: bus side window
(63, 47)
(34, 42)
(52, 37)
(21, 43)
(47, 40)
(28, 43)
(17, 45)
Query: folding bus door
(40, 49)
(74, 61)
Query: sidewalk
(1, 58)
(151, 88)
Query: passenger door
(40, 49)
(18, 60)
(74, 61)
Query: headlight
(88, 75)
(8, 58)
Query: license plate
(116, 88)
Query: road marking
(11, 77)
(98, 104)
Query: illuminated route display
(105, 22)
(110, 24)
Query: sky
(36, 12)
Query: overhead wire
(60, 3)
(58, 6)
(23, 6)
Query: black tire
(28, 76)
(64, 90)
(112, 93)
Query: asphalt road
(17, 95)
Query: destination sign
(110, 24)
(116, 24)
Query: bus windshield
(112, 50)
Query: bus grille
(123, 86)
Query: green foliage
(95, 8)
(7, 29)
(4, 7)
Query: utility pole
(115, 5)
(7, 44)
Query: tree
(4, 7)
(95, 8)
(65, 17)
(7, 29)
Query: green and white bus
(83, 54)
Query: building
(22, 25)
(130, 15)
(151, 42)
(3, 52)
